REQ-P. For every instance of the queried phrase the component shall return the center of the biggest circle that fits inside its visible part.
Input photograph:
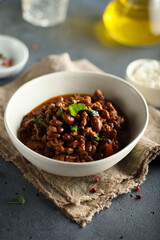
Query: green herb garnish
(75, 108)
(74, 128)
(1, 55)
(61, 111)
(21, 200)
(98, 138)
(75, 101)
(93, 112)
(38, 120)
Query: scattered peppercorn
(137, 188)
(93, 190)
(35, 46)
(139, 196)
(152, 212)
(96, 179)
(121, 237)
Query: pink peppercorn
(93, 190)
(139, 196)
(35, 46)
(137, 188)
(96, 179)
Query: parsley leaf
(93, 112)
(21, 200)
(75, 108)
(61, 111)
(74, 128)
(98, 138)
(75, 101)
(38, 120)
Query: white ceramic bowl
(40, 89)
(13, 48)
(151, 94)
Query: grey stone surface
(39, 219)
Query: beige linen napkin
(72, 195)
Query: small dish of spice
(144, 74)
(13, 56)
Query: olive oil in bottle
(133, 22)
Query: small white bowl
(151, 94)
(13, 48)
(42, 88)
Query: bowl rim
(22, 61)
(130, 68)
(136, 139)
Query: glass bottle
(133, 22)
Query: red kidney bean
(98, 95)
(80, 137)
(69, 150)
(98, 156)
(111, 124)
(53, 129)
(66, 137)
(48, 114)
(81, 128)
(113, 114)
(116, 124)
(74, 133)
(86, 102)
(68, 119)
(54, 117)
(61, 157)
(114, 134)
(97, 106)
(96, 124)
(56, 123)
(101, 147)
(88, 147)
(106, 140)
(60, 129)
(29, 123)
(74, 144)
(105, 114)
(51, 106)
(110, 106)
(70, 158)
(94, 148)
(53, 136)
(89, 99)
(108, 150)
(77, 117)
(95, 142)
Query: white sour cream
(148, 73)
